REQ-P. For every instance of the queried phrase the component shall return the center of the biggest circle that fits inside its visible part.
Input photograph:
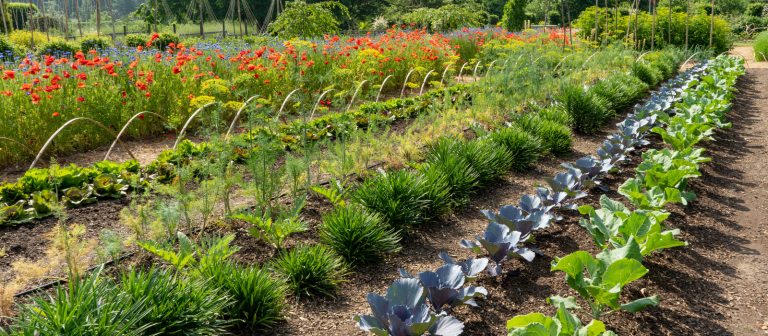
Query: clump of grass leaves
(311, 270)
(358, 236)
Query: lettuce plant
(109, 185)
(402, 312)
(14, 214)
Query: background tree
(514, 15)
(300, 19)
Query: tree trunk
(155, 14)
(202, 29)
(77, 11)
(2, 14)
(45, 22)
(637, 13)
(597, 19)
(31, 27)
(712, 25)
(111, 17)
(66, 19)
(562, 22)
(669, 24)
(239, 18)
(98, 18)
(653, 24)
(570, 29)
(687, 21)
(629, 20)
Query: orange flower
(55, 114)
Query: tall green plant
(514, 15)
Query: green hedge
(761, 47)
(698, 30)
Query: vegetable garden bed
(514, 292)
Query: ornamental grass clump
(524, 148)
(588, 111)
(311, 270)
(358, 236)
(403, 199)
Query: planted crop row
(507, 233)
(626, 235)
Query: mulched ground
(716, 286)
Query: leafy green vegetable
(606, 276)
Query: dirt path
(739, 184)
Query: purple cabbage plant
(403, 312)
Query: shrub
(20, 13)
(438, 194)
(93, 43)
(88, 306)
(258, 297)
(555, 137)
(300, 19)
(57, 47)
(761, 47)
(311, 270)
(177, 305)
(756, 9)
(447, 18)
(7, 50)
(401, 198)
(357, 236)
(588, 111)
(135, 40)
(23, 39)
(524, 148)
(162, 41)
(698, 31)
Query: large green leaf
(640, 304)
(623, 272)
